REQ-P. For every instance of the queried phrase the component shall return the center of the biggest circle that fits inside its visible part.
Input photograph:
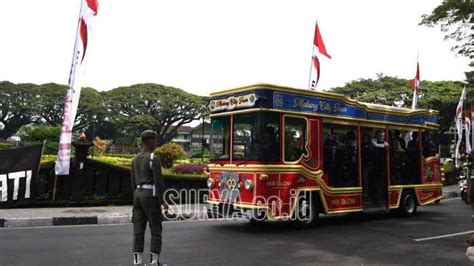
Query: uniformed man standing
(147, 188)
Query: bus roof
(320, 103)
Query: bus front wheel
(306, 213)
(408, 204)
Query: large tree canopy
(440, 95)
(162, 108)
(456, 18)
(15, 106)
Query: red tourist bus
(281, 153)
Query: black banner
(18, 175)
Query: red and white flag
(318, 47)
(459, 109)
(86, 16)
(467, 131)
(415, 84)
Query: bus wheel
(437, 201)
(306, 213)
(408, 204)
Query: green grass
(48, 158)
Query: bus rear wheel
(408, 204)
(306, 213)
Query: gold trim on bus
(376, 108)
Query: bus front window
(256, 137)
(220, 139)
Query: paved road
(347, 240)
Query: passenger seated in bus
(398, 163)
(413, 156)
(350, 160)
(428, 150)
(269, 144)
(293, 147)
(396, 136)
(332, 155)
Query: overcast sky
(203, 46)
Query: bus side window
(341, 155)
(295, 138)
(429, 147)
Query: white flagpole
(311, 61)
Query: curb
(100, 219)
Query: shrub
(197, 153)
(5, 146)
(100, 146)
(169, 153)
(189, 168)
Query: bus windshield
(256, 137)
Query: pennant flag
(472, 123)
(88, 11)
(415, 84)
(467, 131)
(459, 109)
(318, 47)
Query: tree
(457, 14)
(152, 106)
(15, 107)
(48, 105)
(440, 95)
(456, 19)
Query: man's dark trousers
(146, 208)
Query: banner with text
(18, 174)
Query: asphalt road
(345, 240)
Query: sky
(204, 46)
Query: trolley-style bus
(282, 153)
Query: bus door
(374, 148)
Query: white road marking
(444, 236)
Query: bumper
(229, 210)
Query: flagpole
(312, 54)
(310, 68)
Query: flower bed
(196, 169)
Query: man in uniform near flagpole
(147, 188)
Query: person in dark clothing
(147, 188)
(379, 176)
(81, 148)
(350, 160)
(413, 156)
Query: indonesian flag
(86, 17)
(459, 108)
(415, 84)
(467, 131)
(318, 46)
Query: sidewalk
(33, 217)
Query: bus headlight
(210, 182)
(248, 184)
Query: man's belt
(146, 186)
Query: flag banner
(87, 13)
(18, 174)
(415, 84)
(318, 47)
(467, 131)
(459, 129)
(472, 123)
